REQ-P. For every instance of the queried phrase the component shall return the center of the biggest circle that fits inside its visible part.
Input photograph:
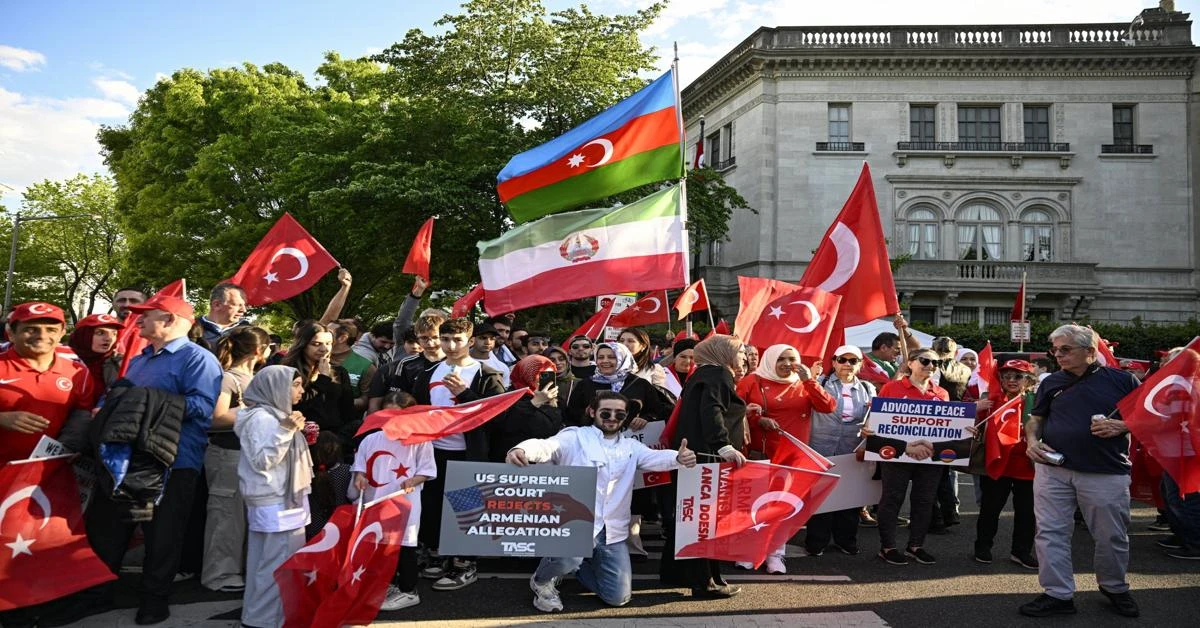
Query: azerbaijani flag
(632, 143)
(637, 247)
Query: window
(965, 316)
(1037, 236)
(714, 253)
(1044, 314)
(979, 125)
(712, 150)
(1123, 125)
(921, 123)
(979, 233)
(1037, 125)
(839, 124)
(996, 315)
(926, 314)
(923, 234)
(719, 148)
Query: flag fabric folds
(647, 310)
(754, 293)
(420, 424)
(803, 319)
(592, 328)
(639, 247)
(722, 327)
(1018, 311)
(1003, 435)
(44, 551)
(311, 574)
(463, 306)
(852, 259)
(632, 143)
(286, 262)
(129, 341)
(989, 372)
(417, 262)
(693, 299)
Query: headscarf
(80, 341)
(526, 371)
(718, 349)
(271, 391)
(549, 353)
(625, 366)
(974, 381)
(766, 365)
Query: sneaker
(866, 520)
(184, 575)
(814, 552)
(920, 555)
(903, 522)
(1122, 603)
(231, 588)
(1028, 561)
(1160, 525)
(775, 565)
(1045, 606)
(849, 550)
(746, 566)
(893, 557)
(1184, 553)
(983, 555)
(545, 596)
(397, 599)
(1172, 542)
(436, 570)
(461, 574)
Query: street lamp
(12, 255)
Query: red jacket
(791, 405)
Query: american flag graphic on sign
(469, 503)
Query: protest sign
(649, 436)
(85, 468)
(941, 424)
(501, 510)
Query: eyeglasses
(850, 361)
(1061, 350)
(927, 362)
(581, 346)
(607, 414)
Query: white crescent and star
(300, 257)
(577, 159)
(1167, 382)
(791, 499)
(329, 539)
(692, 297)
(657, 305)
(21, 544)
(39, 308)
(848, 254)
(375, 530)
(813, 313)
(371, 468)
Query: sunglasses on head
(607, 414)
(850, 361)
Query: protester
(680, 365)
(483, 345)
(975, 386)
(638, 342)
(226, 309)
(275, 477)
(401, 373)
(345, 333)
(404, 318)
(126, 297)
(955, 378)
(751, 358)
(1016, 379)
(240, 352)
(94, 340)
(409, 346)
(1073, 417)
(616, 371)
(835, 433)
(537, 342)
(365, 358)
(885, 348)
(376, 345)
(535, 416)
(711, 418)
(1042, 368)
(582, 364)
(328, 397)
(504, 348)
(516, 342)
(331, 480)
(1182, 512)
(565, 380)
(607, 572)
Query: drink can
(311, 431)
(1053, 457)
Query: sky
(69, 66)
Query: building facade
(1065, 152)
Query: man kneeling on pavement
(607, 573)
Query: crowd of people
(264, 442)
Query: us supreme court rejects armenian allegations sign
(941, 424)
(502, 510)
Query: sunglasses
(1012, 377)
(927, 362)
(850, 361)
(607, 414)
(1061, 350)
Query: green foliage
(1136, 340)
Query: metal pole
(12, 261)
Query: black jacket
(330, 404)
(710, 412)
(520, 422)
(645, 401)
(488, 382)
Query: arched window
(980, 233)
(1037, 236)
(923, 234)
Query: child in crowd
(331, 481)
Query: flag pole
(708, 302)
(1021, 342)
(687, 249)
(777, 466)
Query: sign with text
(492, 509)
(1019, 331)
(649, 436)
(85, 468)
(940, 424)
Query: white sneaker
(746, 566)
(397, 599)
(545, 596)
(775, 565)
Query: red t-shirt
(52, 395)
(904, 389)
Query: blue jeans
(607, 573)
(1183, 513)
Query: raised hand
(686, 457)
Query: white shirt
(617, 461)
(276, 518)
(439, 395)
(391, 463)
(847, 403)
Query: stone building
(1069, 152)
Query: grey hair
(1076, 334)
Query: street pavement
(832, 590)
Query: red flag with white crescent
(803, 319)
(647, 310)
(754, 293)
(693, 299)
(1003, 435)
(311, 574)
(420, 424)
(286, 262)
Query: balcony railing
(995, 147)
(841, 146)
(725, 164)
(964, 274)
(1126, 149)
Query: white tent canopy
(862, 335)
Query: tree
(72, 261)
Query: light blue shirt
(183, 368)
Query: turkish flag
(1104, 354)
(419, 424)
(852, 259)
(1003, 435)
(464, 305)
(647, 310)
(872, 372)
(129, 341)
(1164, 414)
(989, 372)
(722, 327)
(592, 327)
(370, 563)
(793, 452)
(1018, 311)
(417, 262)
(803, 319)
(286, 262)
(727, 513)
(41, 534)
(693, 299)
(311, 574)
(754, 293)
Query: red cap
(1017, 365)
(36, 310)
(99, 320)
(174, 305)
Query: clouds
(20, 59)
(118, 90)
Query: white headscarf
(975, 381)
(766, 365)
(271, 391)
(625, 366)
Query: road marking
(858, 619)
(762, 577)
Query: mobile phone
(454, 369)
(545, 380)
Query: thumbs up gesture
(686, 457)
